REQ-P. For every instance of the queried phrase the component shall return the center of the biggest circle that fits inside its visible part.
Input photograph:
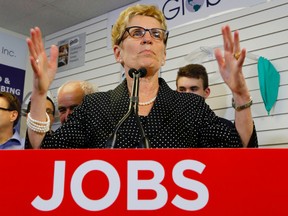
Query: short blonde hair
(125, 16)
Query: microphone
(135, 74)
(133, 107)
(142, 72)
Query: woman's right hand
(44, 73)
(44, 69)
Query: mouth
(147, 52)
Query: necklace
(148, 102)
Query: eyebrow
(73, 105)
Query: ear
(164, 58)
(207, 93)
(13, 115)
(117, 53)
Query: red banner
(144, 182)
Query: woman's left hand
(231, 64)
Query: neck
(148, 87)
(5, 134)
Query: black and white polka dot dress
(176, 120)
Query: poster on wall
(13, 60)
(183, 12)
(71, 52)
(12, 80)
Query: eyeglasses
(5, 109)
(139, 32)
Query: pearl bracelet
(38, 126)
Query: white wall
(263, 31)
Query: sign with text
(13, 51)
(144, 182)
(13, 60)
(71, 52)
(12, 80)
(183, 12)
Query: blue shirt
(15, 142)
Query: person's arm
(230, 67)
(44, 72)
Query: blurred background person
(50, 110)
(193, 78)
(10, 111)
(71, 95)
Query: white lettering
(10, 90)
(112, 193)
(134, 184)
(190, 184)
(58, 190)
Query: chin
(152, 65)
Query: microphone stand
(133, 107)
(144, 142)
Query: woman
(170, 119)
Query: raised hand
(230, 67)
(44, 69)
(231, 64)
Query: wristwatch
(242, 107)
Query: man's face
(192, 85)
(7, 117)
(69, 98)
(49, 111)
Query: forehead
(187, 81)
(49, 104)
(70, 96)
(3, 101)
(144, 21)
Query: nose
(147, 38)
(67, 113)
(64, 116)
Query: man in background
(50, 110)
(10, 110)
(70, 95)
(193, 78)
